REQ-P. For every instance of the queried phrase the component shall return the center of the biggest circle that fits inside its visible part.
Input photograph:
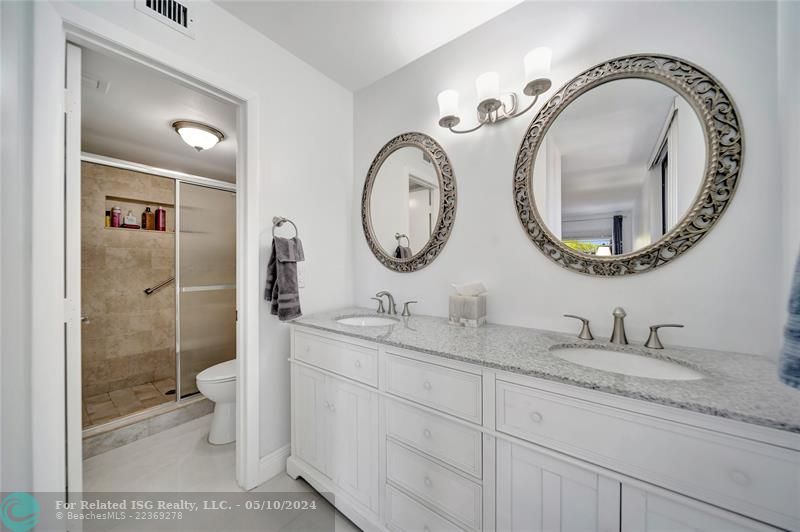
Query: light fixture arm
(497, 117)
(528, 108)
(476, 128)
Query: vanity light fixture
(603, 251)
(198, 136)
(494, 107)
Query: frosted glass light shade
(198, 136)
(603, 251)
(537, 63)
(488, 86)
(448, 103)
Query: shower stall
(158, 305)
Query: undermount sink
(627, 363)
(367, 321)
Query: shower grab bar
(159, 286)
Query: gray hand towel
(282, 290)
(789, 365)
(402, 252)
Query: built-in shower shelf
(129, 229)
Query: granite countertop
(735, 386)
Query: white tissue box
(468, 311)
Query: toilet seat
(223, 372)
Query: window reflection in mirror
(619, 167)
(404, 204)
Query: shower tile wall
(128, 346)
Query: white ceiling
(606, 138)
(358, 42)
(132, 120)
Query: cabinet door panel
(643, 511)
(354, 441)
(310, 417)
(536, 492)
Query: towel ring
(278, 221)
(398, 236)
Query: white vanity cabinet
(412, 442)
(539, 492)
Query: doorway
(157, 301)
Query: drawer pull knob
(426, 433)
(428, 481)
(536, 417)
(333, 407)
(327, 405)
(740, 477)
(358, 363)
(427, 385)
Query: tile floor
(181, 460)
(106, 407)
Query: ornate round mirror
(409, 202)
(628, 165)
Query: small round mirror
(408, 204)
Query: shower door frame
(178, 178)
(56, 402)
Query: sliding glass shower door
(206, 281)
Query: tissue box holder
(468, 311)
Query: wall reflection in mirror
(404, 203)
(619, 167)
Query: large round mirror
(628, 165)
(409, 201)
(619, 167)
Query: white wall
(789, 113)
(725, 298)
(16, 22)
(304, 165)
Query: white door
(538, 493)
(310, 404)
(72, 270)
(354, 441)
(643, 511)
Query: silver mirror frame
(447, 202)
(724, 153)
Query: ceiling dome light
(198, 136)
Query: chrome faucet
(618, 335)
(392, 308)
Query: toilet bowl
(218, 384)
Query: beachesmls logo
(19, 512)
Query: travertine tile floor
(106, 407)
(180, 459)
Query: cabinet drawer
(349, 360)
(751, 478)
(451, 442)
(454, 495)
(406, 515)
(452, 391)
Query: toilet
(218, 384)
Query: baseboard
(273, 464)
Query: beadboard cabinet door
(354, 441)
(643, 511)
(311, 417)
(536, 492)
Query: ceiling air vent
(173, 14)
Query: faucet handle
(380, 310)
(653, 341)
(406, 311)
(586, 333)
